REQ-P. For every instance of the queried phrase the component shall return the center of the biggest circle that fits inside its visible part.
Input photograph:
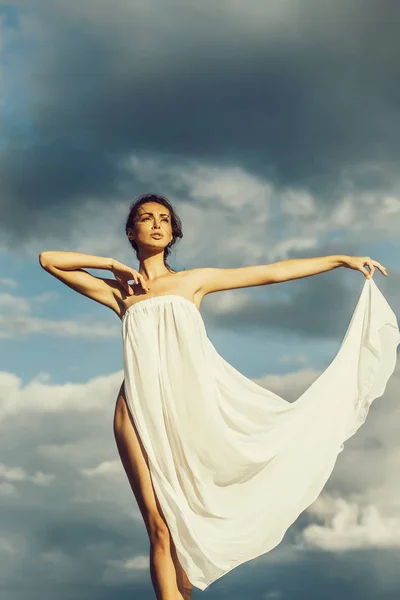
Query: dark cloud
(304, 94)
(299, 313)
(320, 308)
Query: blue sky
(273, 129)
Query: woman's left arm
(304, 267)
(210, 279)
(295, 268)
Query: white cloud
(349, 525)
(22, 326)
(17, 320)
(8, 281)
(85, 460)
(37, 396)
(104, 469)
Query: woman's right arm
(74, 260)
(67, 267)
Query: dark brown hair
(176, 223)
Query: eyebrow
(150, 213)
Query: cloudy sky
(273, 128)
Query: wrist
(341, 260)
(111, 263)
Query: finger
(381, 268)
(372, 269)
(368, 262)
(364, 270)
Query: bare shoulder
(196, 278)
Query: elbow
(277, 273)
(43, 259)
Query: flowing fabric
(233, 464)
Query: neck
(153, 267)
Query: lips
(156, 235)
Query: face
(152, 218)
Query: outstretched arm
(295, 268)
(213, 279)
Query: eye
(163, 219)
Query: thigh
(135, 462)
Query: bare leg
(165, 575)
(162, 570)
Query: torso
(183, 284)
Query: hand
(358, 262)
(123, 274)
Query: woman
(199, 482)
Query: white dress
(233, 464)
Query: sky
(273, 129)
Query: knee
(158, 531)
